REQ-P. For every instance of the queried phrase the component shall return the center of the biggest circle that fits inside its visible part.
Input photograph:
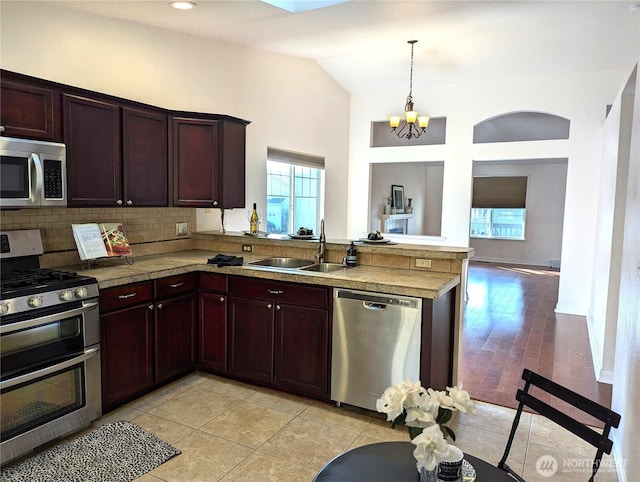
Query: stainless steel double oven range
(50, 348)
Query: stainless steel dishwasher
(376, 344)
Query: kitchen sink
(324, 267)
(282, 263)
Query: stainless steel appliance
(49, 346)
(376, 344)
(32, 173)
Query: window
(497, 223)
(498, 207)
(295, 191)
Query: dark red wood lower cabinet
(175, 337)
(251, 339)
(127, 354)
(213, 331)
(302, 354)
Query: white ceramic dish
(374, 241)
(302, 236)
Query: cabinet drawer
(213, 282)
(279, 291)
(125, 296)
(174, 285)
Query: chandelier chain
(410, 97)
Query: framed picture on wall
(397, 198)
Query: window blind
(499, 192)
(297, 158)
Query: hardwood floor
(510, 324)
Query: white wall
(626, 382)
(582, 98)
(422, 183)
(612, 199)
(177, 71)
(546, 184)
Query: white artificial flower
(416, 395)
(441, 397)
(461, 399)
(391, 402)
(424, 413)
(431, 447)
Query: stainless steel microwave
(33, 174)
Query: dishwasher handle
(378, 299)
(370, 305)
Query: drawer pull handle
(124, 297)
(177, 285)
(275, 292)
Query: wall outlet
(247, 248)
(423, 263)
(181, 229)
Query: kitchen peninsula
(171, 313)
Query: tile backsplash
(149, 230)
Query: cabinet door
(144, 157)
(27, 110)
(302, 350)
(195, 162)
(251, 339)
(233, 164)
(92, 135)
(213, 331)
(175, 336)
(127, 353)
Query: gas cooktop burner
(35, 277)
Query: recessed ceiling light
(635, 7)
(183, 5)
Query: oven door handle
(27, 377)
(21, 325)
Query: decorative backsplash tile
(149, 230)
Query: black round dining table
(392, 461)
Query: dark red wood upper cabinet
(208, 162)
(195, 162)
(232, 152)
(92, 136)
(144, 157)
(29, 110)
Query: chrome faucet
(322, 244)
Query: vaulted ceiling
(362, 43)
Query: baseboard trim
(571, 310)
(489, 259)
(621, 466)
(602, 375)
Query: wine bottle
(352, 256)
(254, 221)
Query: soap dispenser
(352, 256)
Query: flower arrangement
(425, 412)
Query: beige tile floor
(229, 431)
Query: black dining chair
(599, 440)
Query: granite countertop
(408, 282)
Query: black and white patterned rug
(115, 452)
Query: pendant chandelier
(413, 125)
